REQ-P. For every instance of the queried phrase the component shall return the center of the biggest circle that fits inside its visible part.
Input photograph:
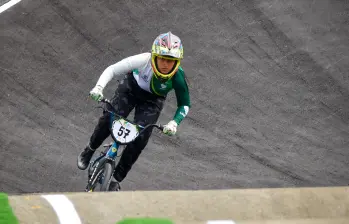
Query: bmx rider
(149, 77)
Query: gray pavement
(268, 80)
(3, 2)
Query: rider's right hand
(97, 93)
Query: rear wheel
(108, 170)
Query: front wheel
(108, 170)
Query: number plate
(124, 131)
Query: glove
(170, 128)
(97, 93)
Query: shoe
(114, 185)
(85, 157)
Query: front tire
(108, 170)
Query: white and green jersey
(140, 66)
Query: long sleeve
(122, 67)
(183, 96)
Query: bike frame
(111, 153)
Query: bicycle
(123, 132)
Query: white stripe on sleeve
(122, 67)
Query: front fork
(95, 165)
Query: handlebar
(107, 102)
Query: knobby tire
(108, 170)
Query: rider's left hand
(170, 128)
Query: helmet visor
(167, 57)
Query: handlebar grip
(161, 127)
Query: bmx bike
(123, 131)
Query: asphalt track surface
(268, 80)
(3, 2)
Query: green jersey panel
(179, 84)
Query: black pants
(147, 110)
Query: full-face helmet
(167, 46)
